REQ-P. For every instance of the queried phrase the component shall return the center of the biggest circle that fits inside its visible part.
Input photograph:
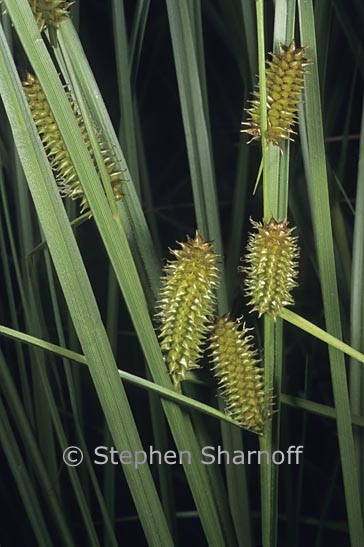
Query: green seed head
(55, 147)
(186, 303)
(239, 375)
(284, 81)
(271, 270)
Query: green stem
(131, 378)
(263, 101)
(309, 327)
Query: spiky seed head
(186, 303)
(55, 147)
(284, 81)
(49, 14)
(271, 270)
(240, 378)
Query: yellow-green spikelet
(240, 378)
(49, 14)
(187, 301)
(284, 81)
(271, 271)
(55, 147)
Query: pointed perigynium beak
(284, 81)
(239, 375)
(186, 305)
(271, 267)
(56, 150)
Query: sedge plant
(107, 341)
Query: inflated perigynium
(186, 304)
(284, 81)
(49, 14)
(56, 150)
(239, 375)
(271, 270)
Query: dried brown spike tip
(284, 81)
(55, 147)
(186, 303)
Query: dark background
(312, 504)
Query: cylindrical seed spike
(186, 303)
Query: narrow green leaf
(315, 168)
(357, 308)
(66, 257)
(23, 481)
